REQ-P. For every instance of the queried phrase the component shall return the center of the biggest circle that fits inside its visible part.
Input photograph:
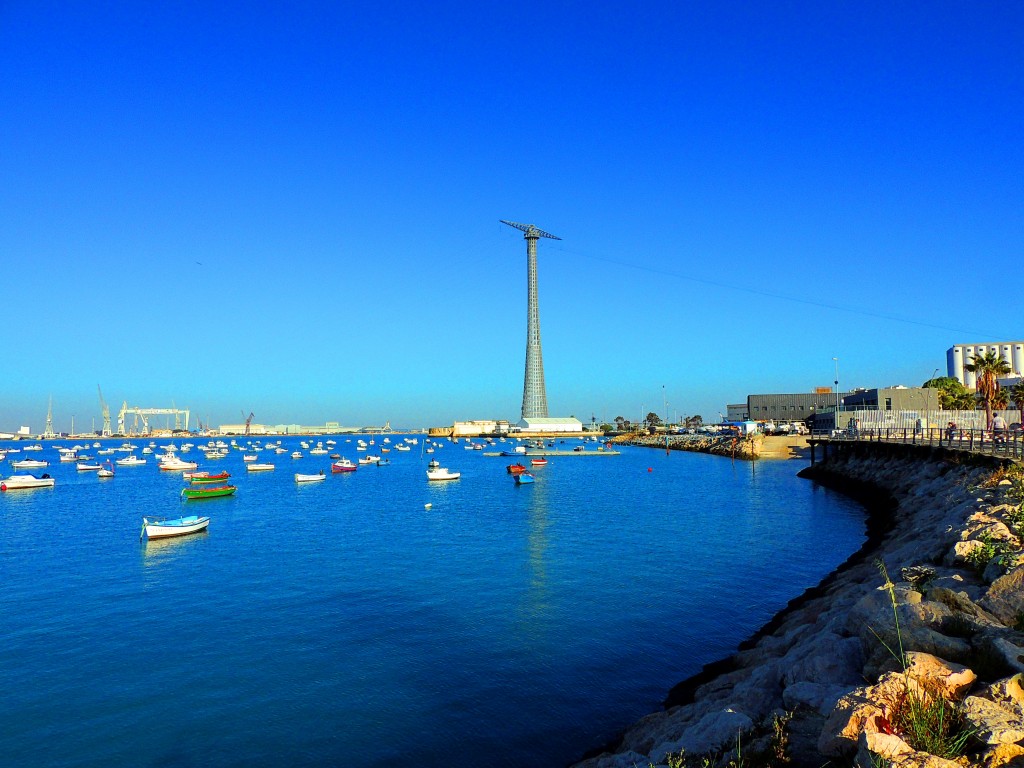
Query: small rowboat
(299, 478)
(542, 462)
(259, 467)
(190, 494)
(523, 478)
(159, 527)
(515, 469)
(201, 478)
(86, 467)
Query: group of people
(999, 429)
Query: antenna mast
(535, 398)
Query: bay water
(345, 623)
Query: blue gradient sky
(293, 209)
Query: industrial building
(792, 407)
(957, 357)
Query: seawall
(928, 510)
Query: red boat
(515, 469)
(344, 465)
(539, 462)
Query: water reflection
(537, 600)
(158, 551)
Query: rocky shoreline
(734, 447)
(947, 528)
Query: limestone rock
(859, 712)
(830, 659)
(1005, 598)
(963, 550)
(953, 679)
(715, 731)
(819, 697)
(960, 602)
(618, 760)
(993, 723)
(1003, 756)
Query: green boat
(207, 493)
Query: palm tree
(988, 367)
(1017, 396)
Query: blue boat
(523, 478)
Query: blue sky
(293, 208)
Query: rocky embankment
(924, 622)
(734, 447)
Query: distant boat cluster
(207, 484)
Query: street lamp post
(836, 422)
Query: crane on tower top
(531, 232)
(248, 420)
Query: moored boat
(515, 469)
(22, 481)
(159, 527)
(541, 462)
(130, 461)
(28, 464)
(107, 470)
(523, 478)
(300, 478)
(259, 467)
(205, 478)
(192, 494)
(84, 466)
(343, 465)
(436, 472)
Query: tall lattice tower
(48, 432)
(535, 397)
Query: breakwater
(947, 530)
(733, 447)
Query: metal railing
(1004, 443)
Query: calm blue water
(342, 623)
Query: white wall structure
(550, 425)
(961, 354)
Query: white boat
(28, 464)
(442, 473)
(436, 472)
(174, 464)
(259, 467)
(130, 461)
(16, 482)
(107, 470)
(36, 447)
(158, 527)
(318, 452)
(402, 448)
(310, 478)
(249, 457)
(83, 466)
(105, 452)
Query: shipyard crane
(105, 409)
(248, 420)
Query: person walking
(998, 429)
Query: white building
(549, 426)
(479, 427)
(962, 354)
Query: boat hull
(25, 482)
(309, 478)
(165, 529)
(195, 494)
